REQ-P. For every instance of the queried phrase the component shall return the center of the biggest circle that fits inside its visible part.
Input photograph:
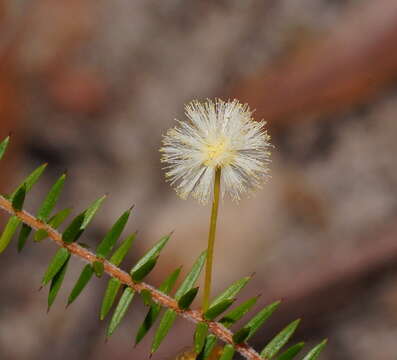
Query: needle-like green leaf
(146, 297)
(231, 291)
(259, 319)
(275, 345)
(186, 300)
(23, 236)
(3, 146)
(110, 239)
(218, 309)
(51, 199)
(56, 284)
(55, 221)
(91, 211)
(99, 268)
(169, 316)
(192, 277)
(236, 314)
(17, 203)
(209, 345)
(59, 259)
(291, 352)
(227, 353)
(122, 251)
(114, 284)
(140, 273)
(81, 283)
(29, 181)
(315, 352)
(19, 198)
(164, 327)
(74, 229)
(81, 221)
(8, 232)
(241, 335)
(148, 322)
(121, 310)
(146, 262)
(109, 297)
(168, 284)
(199, 336)
(155, 309)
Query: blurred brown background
(90, 86)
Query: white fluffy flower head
(218, 135)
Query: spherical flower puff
(218, 135)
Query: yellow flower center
(218, 154)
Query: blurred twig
(13, 31)
(333, 282)
(355, 62)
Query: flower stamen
(220, 135)
(218, 154)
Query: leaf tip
(295, 323)
(204, 253)
(171, 233)
(277, 302)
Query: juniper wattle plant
(222, 148)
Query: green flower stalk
(211, 240)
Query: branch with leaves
(212, 324)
